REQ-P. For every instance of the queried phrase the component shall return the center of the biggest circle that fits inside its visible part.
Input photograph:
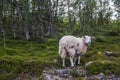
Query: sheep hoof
(74, 64)
(63, 66)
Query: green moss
(95, 68)
(112, 33)
(106, 68)
(13, 65)
(112, 68)
(100, 39)
(10, 65)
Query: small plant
(112, 68)
(100, 39)
(11, 51)
(74, 73)
(112, 33)
(95, 68)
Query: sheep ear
(84, 37)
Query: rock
(108, 53)
(81, 72)
(56, 77)
(62, 71)
(100, 76)
(118, 78)
(65, 76)
(88, 63)
(110, 77)
(68, 73)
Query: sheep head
(87, 40)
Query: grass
(95, 53)
(32, 57)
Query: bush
(112, 68)
(112, 33)
(11, 66)
(95, 68)
(100, 39)
(11, 51)
(74, 73)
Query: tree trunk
(4, 38)
(80, 19)
(14, 34)
(69, 16)
(40, 9)
(27, 34)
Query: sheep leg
(71, 60)
(63, 62)
(75, 59)
(78, 59)
(63, 55)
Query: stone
(108, 53)
(62, 71)
(100, 76)
(88, 63)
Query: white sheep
(74, 47)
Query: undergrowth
(32, 57)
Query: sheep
(74, 47)
(82, 46)
(66, 46)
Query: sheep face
(87, 40)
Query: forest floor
(32, 60)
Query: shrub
(95, 68)
(112, 68)
(100, 39)
(11, 66)
(74, 73)
(112, 33)
(11, 51)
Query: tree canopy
(36, 19)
